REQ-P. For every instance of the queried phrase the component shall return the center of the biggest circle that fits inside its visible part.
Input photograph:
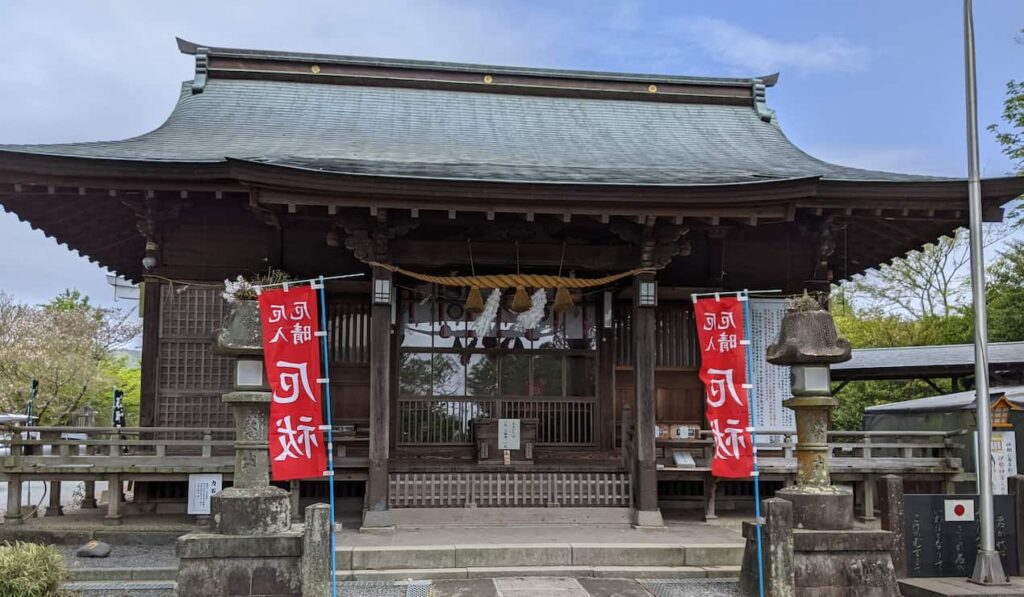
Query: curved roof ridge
(195, 49)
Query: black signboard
(936, 547)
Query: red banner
(291, 354)
(724, 373)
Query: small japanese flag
(959, 510)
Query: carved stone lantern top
(808, 337)
(241, 333)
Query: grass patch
(30, 570)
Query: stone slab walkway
(958, 587)
(545, 587)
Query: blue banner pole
(745, 298)
(330, 429)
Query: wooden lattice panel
(675, 337)
(190, 378)
(501, 489)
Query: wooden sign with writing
(938, 546)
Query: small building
(953, 362)
(318, 164)
(952, 412)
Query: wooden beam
(453, 254)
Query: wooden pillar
(150, 352)
(606, 385)
(114, 498)
(13, 514)
(716, 256)
(646, 482)
(377, 513)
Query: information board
(938, 544)
(771, 382)
(200, 489)
(1004, 460)
(508, 434)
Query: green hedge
(30, 570)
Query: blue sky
(869, 83)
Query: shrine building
(320, 165)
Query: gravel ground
(123, 556)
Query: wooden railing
(917, 450)
(95, 451)
(449, 420)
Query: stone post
(89, 500)
(13, 514)
(251, 506)
(776, 548)
(890, 503)
(316, 551)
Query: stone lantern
(251, 547)
(809, 542)
(808, 343)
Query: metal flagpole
(329, 426)
(747, 341)
(988, 569)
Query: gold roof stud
(488, 79)
(652, 88)
(315, 68)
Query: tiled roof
(915, 357)
(427, 130)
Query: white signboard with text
(508, 434)
(200, 489)
(771, 382)
(1004, 460)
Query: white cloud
(755, 53)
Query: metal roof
(947, 402)
(916, 361)
(530, 130)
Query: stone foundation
(817, 563)
(213, 565)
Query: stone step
(122, 574)
(136, 588)
(632, 572)
(561, 555)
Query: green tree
(67, 345)
(1012, 137)
(1005, 295)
